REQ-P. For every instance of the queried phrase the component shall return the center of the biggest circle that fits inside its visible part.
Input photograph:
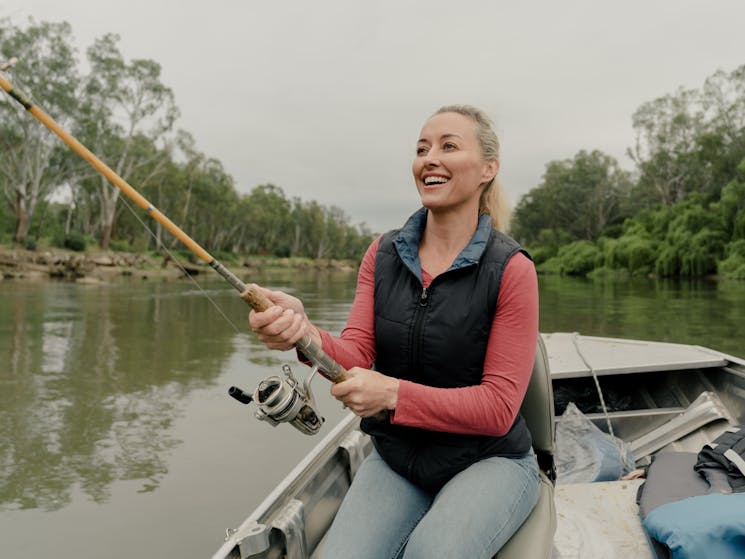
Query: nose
(432, 158)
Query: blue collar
(408, 239)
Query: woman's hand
(282, 325)
(366, 392)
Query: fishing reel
(284, 400)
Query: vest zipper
(423, 297)
(419, 314)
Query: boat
(654, 396)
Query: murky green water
(117, 438)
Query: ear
(490, 170)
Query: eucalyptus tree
(30, 164)
(692, 140)
(125, 107)
(667, 130)
(577, 199)
(213, 201)
(266, 223)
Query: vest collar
(408, 239)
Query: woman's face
(449, 168)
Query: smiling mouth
(433, 181)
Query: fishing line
(279, 399)
(179, 265)
(8, 69)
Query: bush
(636, 254)
(30, 243)
(734, 265)
(541, 254)
(282, 251)
(550, 266)
(74, 241)
(119, 245)
(690, 254)
(578, 258)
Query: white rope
(575, 336)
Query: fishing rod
(280, 399)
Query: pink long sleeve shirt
(488, 408)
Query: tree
(125, 107)
(666, 132)
(691, 141)
(265, 220)
(577, 199)
(214, 200)
(31, 167)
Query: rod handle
(332, 370)
(258, 301)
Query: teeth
(435, 180)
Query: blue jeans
(384, 516)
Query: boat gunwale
(291, 484)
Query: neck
(449, 232)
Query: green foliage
(733, 266)
(550, 266)
(119, 245)
(577, 199)
(30, 163)
(691, 141)
(578, 258)
(686, 203)
(125, 114)
(75, 241)
(731, 206)
(633, 252)
(575, 259)
(541, 254)
(685, 253)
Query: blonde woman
(446, 309)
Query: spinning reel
(284, 400)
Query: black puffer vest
(438, 337)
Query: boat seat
(534, 539)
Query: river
(118, 439)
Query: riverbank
(107, 266)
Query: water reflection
(95, 380)
(701, 312)
(92, 382)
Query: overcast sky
(326, 98)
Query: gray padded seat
(534, 539)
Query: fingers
(278, 328)
(365, 392)
(258, 320)
(282, 299)
(283, 323)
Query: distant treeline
(123, 112)
(681, 212)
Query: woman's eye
(449, 146)
(421, 150)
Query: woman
(447, 310)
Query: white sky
(326, 98)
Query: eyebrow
(444, 136)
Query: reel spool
(284, 400)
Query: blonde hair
(492, 202)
